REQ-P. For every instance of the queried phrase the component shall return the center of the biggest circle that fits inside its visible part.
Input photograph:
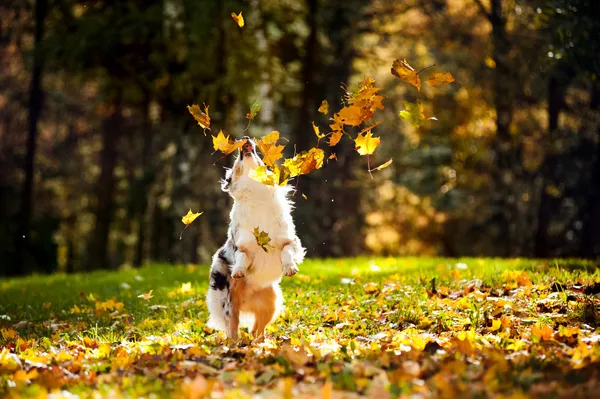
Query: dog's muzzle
(248, 147)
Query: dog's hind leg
(236, 301)
(264, 305)
(218, 296)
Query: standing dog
(244, 278)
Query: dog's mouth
(247, 149)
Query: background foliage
(99, 157)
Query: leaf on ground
(146, 296)
(324, 107)
(366, 143)
(262, 239)
(413, 113)
(406, 73)
(440, 78)
(201, 117)
(238, 19)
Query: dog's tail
(218, 297)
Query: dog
(244, 278)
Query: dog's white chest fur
(265, 208)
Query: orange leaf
(406, 73)
(201, 117)
(351, 115)
(543, 331)
(335, 138)
(305, 162)
(225, 144)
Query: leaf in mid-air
(269, 148)
(238, 18)
(351, 115)
(382, 166)
(406, 73)
(305, 162)
(317, 131)
(278, 176)
(440, 78)
(190, 217)
(254, 108)
(335, 138)
(146, 296)
(324, 107)
(225, 144)
(333, 156)
(366, 143)
(262, 239)
(413, 113)
(201, 117)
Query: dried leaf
(382, 166)
(201, 117)
(335, 138)
(440, 78)
(317, 131)
(406, 73)
(305, 162)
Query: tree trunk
(36, 95)
(105, 186)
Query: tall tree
(36, 95)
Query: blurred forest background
(99, 157)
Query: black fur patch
(223, 256)
(218, 281)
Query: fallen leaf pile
(421, 328)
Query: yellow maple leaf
(270, 138)
(317, 131)
(225, 144)
(366, 144)
(190, 217)
(238, 18)
(271, 152)
(275, 177)
(335, 138)
(324, 107)
(440, 78)
(406, 73)
(201, 117)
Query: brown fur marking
(261, 303)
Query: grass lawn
(409, 327)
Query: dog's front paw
(290, 270)
(238, 273)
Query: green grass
(439, 327)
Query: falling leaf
(406, 73)
(201, 117)
(190, 217)
(324, 107)
(304, 196)
(225, 144)
(146, 296)
(440, 78)
(278, 176)
(305, 162)
(333, 156)
(366, 144)
(238, 18)
(383, 166)
(262, 239)
(351, 115)
(413, 113)
(254, 108)
(271, 152)
(335, 138)
(317, 132)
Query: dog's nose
(246, 138)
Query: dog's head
(246, 161)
